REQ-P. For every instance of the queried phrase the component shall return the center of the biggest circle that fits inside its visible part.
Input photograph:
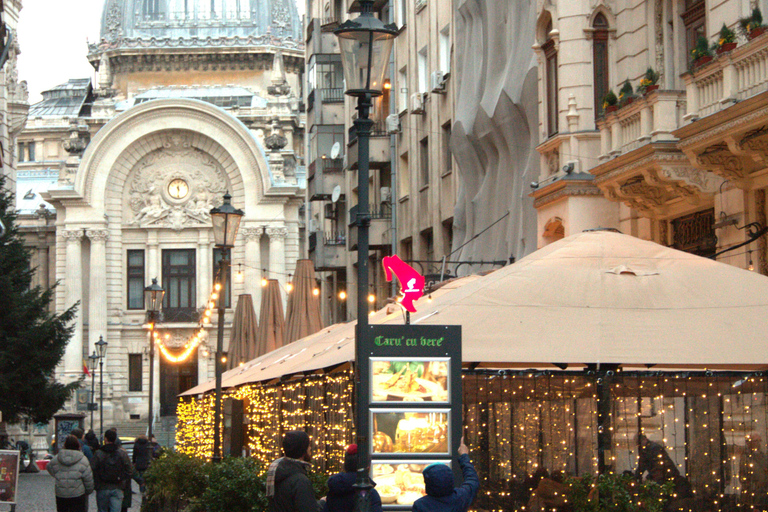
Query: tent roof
(593, 297)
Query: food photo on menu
(410, 431)
(400, 484)
(409, 380)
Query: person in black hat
(288, 486)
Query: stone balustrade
(729, 78)
(650, 118)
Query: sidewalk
(36, 494)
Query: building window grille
(134, 372)
(136, 279)
(694, 233)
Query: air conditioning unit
(393, 124)
(438, 82)
(417, 103)
(386, 194)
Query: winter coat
(101, 454)
(86, 449)
(72, 472)
(441, 496)
(141, 454)
(341, 495)
(293, 489)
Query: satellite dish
(336, 150)
(336, 194)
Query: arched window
(550, 54)
(600, 61)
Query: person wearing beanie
(288, 486)
(341, 494)
(441, 495)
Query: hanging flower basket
(704, 59)
(756, 32)
(726, 47)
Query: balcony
(323, 175)
(379, 152)
(326, 250)
(731, 77)
(379, 232)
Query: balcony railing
(332, 95)
(335, 238)
(731, 77)
(333, 165)
(651, 118)
(379, 129)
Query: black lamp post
(226, 221)
(366, 44)
(92, 368)
(101, 352)
(153, 297)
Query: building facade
(192, 100)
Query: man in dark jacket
(84, 447)
(441, 495)
(288, 486)
(111, 470)
(341, 494)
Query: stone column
(97, 302)
(252, 281)
(73, 357)
(154, 265)
(277, 256)
(204, 267)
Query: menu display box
(403, 379)
(9, 475)
(401, 483)
(411, 431)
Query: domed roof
(191, 23)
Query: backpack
(110, 469)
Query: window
(31, 151)
(404, 176)
(321, 141)
(180, 286)
(427, 245)
(445, 50)
(326, 73)
(21, 151)
(446, 148)
(400, 12)
(136, 279)
(228, 288)
(152, 10)
(600, 61)
(694, 19)
(550, 54)
(402, 88)
(424, 160)
(423, 70)
(134, 372)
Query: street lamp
(101, 352)
(92, 368)
(153, 297)
(226, 221)
(366, 44)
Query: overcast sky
(52, 37)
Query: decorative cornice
(276, 232)
(252, 234)
(72, 235)
(720, 128)
(566, 190)
(98, 235)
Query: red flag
(85, 369)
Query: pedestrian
(92, 440)
(84, 447)
(288, 486)
(157, 450)
(74, 478)
(142, 456)
(441, 495)
(341, 493)
(111, 470)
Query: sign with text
(412, 376)
(9, 475)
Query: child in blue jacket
(441, 495)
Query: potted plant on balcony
(610, 102)
(752, 25)
(701, 54)
(626, 94)
(726, 41)
(649, 82)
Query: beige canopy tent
(593, 297)
(242, 344)
(270, 333)
(303, 313)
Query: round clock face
(178, 188)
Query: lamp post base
(363, 487)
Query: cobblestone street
(36, 494)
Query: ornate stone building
(193, 99)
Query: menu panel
(410, 431)
(401, 483)
(410, 380)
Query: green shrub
(172, 482)
(234, 485)
(617, 493)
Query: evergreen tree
(32, 340)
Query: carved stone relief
(198, 181)
(722, 162)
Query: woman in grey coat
(74, 478)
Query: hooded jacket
(292, 490)
(141, 454)
(72, 472)
(101, 454)
(441, 495)
(341, 494)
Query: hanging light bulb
(263, 281)
(342, 295)
(217, 286)
(239, 277)
(214, 296)
(316, 291)
(289, 284)
(751, 266)
(371, 298)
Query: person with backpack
(111, 470)
(441, 495)
(74, 479)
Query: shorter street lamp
(153, 297)
(226, 221)
(101, 352)
(92, 368)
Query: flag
(85, 368)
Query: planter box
(756, 32)
(650, 89)
(727, 47)
(701, 61)
(611, 108)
